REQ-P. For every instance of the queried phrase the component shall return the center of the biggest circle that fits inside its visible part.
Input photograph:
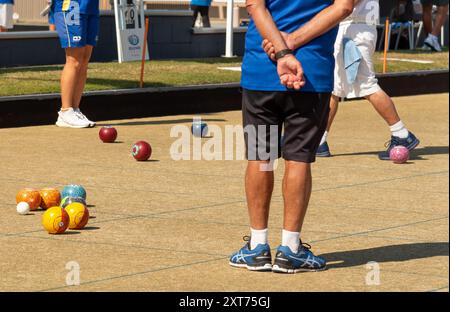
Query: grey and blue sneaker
(304, 260)
(410, 143)
(323, 150)
(257, 259)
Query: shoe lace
(392, 142)
(79, 114)
(246, 238)
(305, 245)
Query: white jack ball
(23, 208)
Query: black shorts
(304, 116)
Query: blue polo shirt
(260, 73)
(201, 2)
(86, 6)
(6, 1)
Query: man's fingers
(264, 43)
(269, 48)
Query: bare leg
(427, 18)
(441, 17)
(297, 185)
(384, 105)
(258, 187)
(69, 76)
(82, 76)
(334, 105)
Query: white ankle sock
(399, 130)
(324, 137)
(258, 237)
(67, 110)
(291, 240)
(433, 37)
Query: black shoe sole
(290, 270)
(260, 268)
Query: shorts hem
(300, 157)
(365, 92)
(361, 94)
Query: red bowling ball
(141, 151)
(108, 134)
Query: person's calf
(258, 187)
(384, 106)
(297, 184)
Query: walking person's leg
(6, 19)
(340, 89)
(204, 10)
(441, 18)
(366, 85)
(196, 12)
(385, 107)
(324, 149)
(434, 29)
(427, 16)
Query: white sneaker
(82, 116)
(425, 48)
(69, 119)
(433, 43)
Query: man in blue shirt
(6, 13)
(294, 91)
(77, 23)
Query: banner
(130, 29)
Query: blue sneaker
(258, 259)
(323, 150)
(410, 143)
(304, 260)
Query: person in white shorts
(6, 15)
(359, 30)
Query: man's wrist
(283, 53)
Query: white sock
(324, 137)
(433, 37)
(399, 130)
(67, 110)
(291, 240)
(258, 237)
